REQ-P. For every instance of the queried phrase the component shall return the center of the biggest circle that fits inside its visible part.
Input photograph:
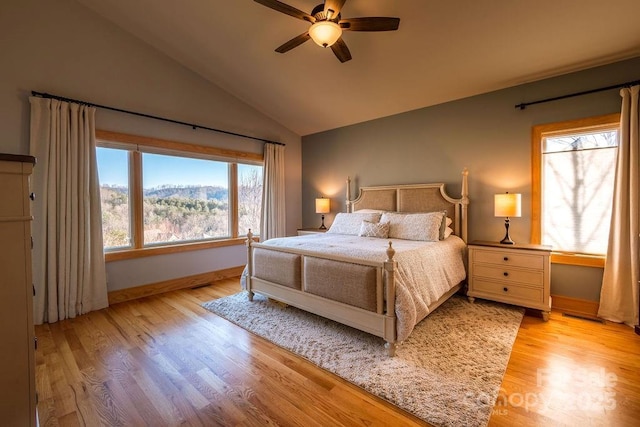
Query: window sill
(578, 259)
(123, 254)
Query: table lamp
(323, 206)
(507, 205)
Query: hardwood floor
(164, 360)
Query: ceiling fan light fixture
(325, 33)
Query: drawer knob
(505, 273)
(32, 196)
(505, 289)
(506, 258)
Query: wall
(60, 47)
(484, 133)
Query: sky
(161, 170)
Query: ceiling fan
(328, 25)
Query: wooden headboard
(415, 198)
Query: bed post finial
(390, 253)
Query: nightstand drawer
(508, 290)
(509, 258)
(531, 277)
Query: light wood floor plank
(164, 361)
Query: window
(249, 198)
(113, 170)
(573, 166)
(157, 195)
(184, 199)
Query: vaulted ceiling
(443, 50)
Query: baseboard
(637, 329)
(575, 306)
(173, 284)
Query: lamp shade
(323, 205)
(325, 33)
(507, 205)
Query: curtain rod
(149, 116)
(586, 92)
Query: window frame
(538, 133)
(124, 141)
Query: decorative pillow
(349, 223)
(374, 229)
(419, 226)
(446, 221)
(448, 232)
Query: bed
(382, 286)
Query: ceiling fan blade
(341, 50)
(335, 6)
(285, 8)
(294, 42)
(370, 24)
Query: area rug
(448, 372)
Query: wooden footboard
(292, 276)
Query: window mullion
(137, 221)
(233, 198)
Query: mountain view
(178, 213)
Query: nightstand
(513, 274)
(302, 231)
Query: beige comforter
(426, 270)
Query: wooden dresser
(17, 364)
(513, 274)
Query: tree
(250, 201)
(573, 166)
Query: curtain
(619, 295)
(68, 260)
(273, 219)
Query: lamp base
(322, 227)
(507, 239)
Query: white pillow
(374, 229)
(418, 226)
(349, 223)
